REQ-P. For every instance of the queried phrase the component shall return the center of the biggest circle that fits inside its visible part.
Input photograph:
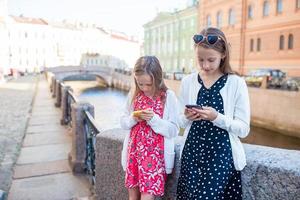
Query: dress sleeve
(168, 126)
(126, 120)
(240, 123)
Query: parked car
(291, 84)
(274, 77)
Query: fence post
(58, 94)
(64, 102)
(54, 88)
(52, 82)
(78, 152)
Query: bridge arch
(102, 74)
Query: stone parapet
(77, 155)
(58, 93)
(271, 173)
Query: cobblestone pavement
(16, 98)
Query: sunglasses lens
(212, 39)
(198, 38)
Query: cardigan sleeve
(183, 100)
(126, 120)
(167, 126)
(240, 123)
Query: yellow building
(262, 33)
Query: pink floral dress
(145, 162)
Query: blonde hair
(149, 65)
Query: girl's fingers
(193, 116)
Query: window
(281, 42)
(291, 41)
(183, 62)
(183, 23)
(279, 6)
(175, 46)
(192, 22)
(266, 8)
(251, 45)
(231, 17)
(258, 44)
(219, 19)
(250, 12)
(208, 21)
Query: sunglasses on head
(211, 39)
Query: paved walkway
(42, 170)
(15, 104)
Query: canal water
(109, 102)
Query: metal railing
(90, 130)
(70, 99)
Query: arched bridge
(62, 73)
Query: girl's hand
(207, 113)
(191, 114)
(147, 114)
(137, 119)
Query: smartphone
(193, 106)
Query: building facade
(31, 44)
(261, 33)
(36, 43)
(169, 37)
(102, 61)
(3, 40)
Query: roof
(122, 36)
(27, 20)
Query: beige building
(3, 40)
(34, 43)
(262, 33)
(97, 59)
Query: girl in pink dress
(150, 144)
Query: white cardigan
(167, 127)
(236, 118)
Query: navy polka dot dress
(207, 170)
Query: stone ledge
(271, 173)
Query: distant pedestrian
(151, 115)
(213, 156)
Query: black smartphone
(193, 106)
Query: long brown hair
(220, 46)
(149, 65)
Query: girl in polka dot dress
(213, 156)
(148, 150)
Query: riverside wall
(277, 110)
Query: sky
(127, 16)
